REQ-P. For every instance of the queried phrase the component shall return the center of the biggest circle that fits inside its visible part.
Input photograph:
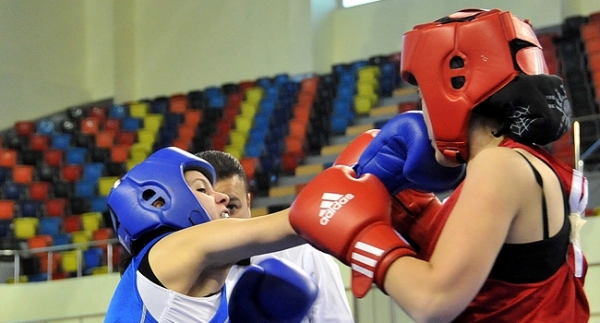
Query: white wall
(58, 53)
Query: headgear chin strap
(460, 60)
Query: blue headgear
(158, 178)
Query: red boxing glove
(412, 213)
(349, 218)
(412, 210)
(349, 156)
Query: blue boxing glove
(402, 157)
(275, 290)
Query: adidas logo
(330, 204)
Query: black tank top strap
(538, 179)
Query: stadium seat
(62, 189)
(76, 155)
(23, 174)
(61, 141)
(98, 112)
(118, 112)
(85, 188)
(138, 109)
(71, 223)
(92, 258)
(39, 142)
(53, 157)
(98, 204)
(46, 126)
(39, 190)
(131, 124)
(91, 221)
(56, 207)
(105, 139)
(92, 171)
(178, 103)
(89, 125)
(71, 173)
(24, 128)
(29, 208)
(5, 174)
(8, 157)
(7, 209)
(25, 228)
(40, 241)
(11, 191)
(81, 237)
(105, 184)
(50, 226)
(69, 261)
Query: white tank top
(168, 306)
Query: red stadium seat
(24, 128)
(8, 157)
(54, 157)
(23, 174)
(39, 142)
(56, 207)
(39, 191)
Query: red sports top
(560, 298)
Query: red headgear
(460, 60)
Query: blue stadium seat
(85, 188)
(11, 191)
(131, 124)
(93, 171)
(61, 141)
(46, 126)
(92, 258)
(29, 208)
(98, 204)
(118, 112)
(76, 155)
(50, 225)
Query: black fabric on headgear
(536, 106)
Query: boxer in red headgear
(503, 247)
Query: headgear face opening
(154, 194)
(460, 60)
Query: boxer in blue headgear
(164, 200)
(162, 211)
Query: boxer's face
(239, 198)
(214, 202)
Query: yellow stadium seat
(25, 228)
(81, 237)
(234, 151)
(238, 139)
(105, 184)
(248, 109)
(100, 270)
(362, 105)
(153, 122)
(22, 279)
(91, 221)
(254, 94)
(138, 109)
(243, 123)
(69, 260)
(139, 151)
(146, 137)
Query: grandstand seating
(56, 174)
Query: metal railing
(78, 247)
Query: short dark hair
(225, 165)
